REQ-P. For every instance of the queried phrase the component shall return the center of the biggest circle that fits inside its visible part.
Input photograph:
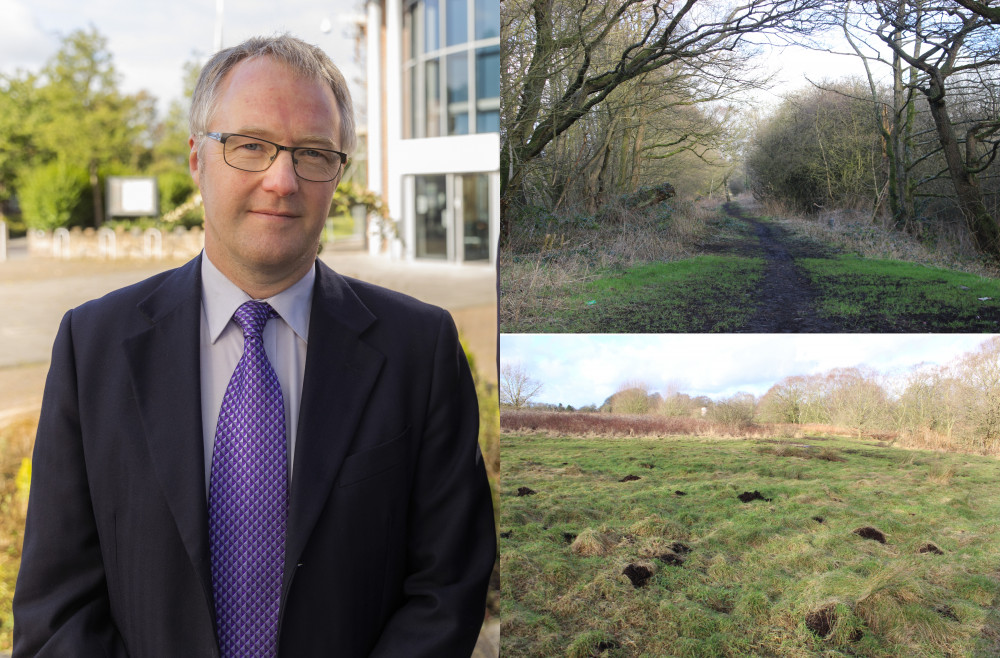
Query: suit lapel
(339, 374)
(164, 361)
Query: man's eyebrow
(311, 140)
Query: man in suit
(203, 486)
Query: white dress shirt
(285, 340)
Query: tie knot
(252, 316)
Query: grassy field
(868, 291)
(643, 547)
(701, 294)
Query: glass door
(431, 201)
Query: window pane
(487, 122)
(457, 17)
(458, 78)
(409, 102)
(488, 72)
(458, 123)
(409, 32)
(432, 85)
(476, 217)
(432, 40)
(487, 19)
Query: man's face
(266, 225)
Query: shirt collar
(221, 297)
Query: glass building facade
(439, 67)
(451, 74)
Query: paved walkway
(35, 293)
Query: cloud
(586, 369)
(23, 42)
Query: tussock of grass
(755, 571)
(590, 543)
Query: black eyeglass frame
(222, 137)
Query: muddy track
(786, 302)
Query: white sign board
(132, 197)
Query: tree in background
(91, 124)
(738, 409)
(980, 375)
(564, 60)
(517, 388)
(632, 397)
(820, 149)
(945, 55)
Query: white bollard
(4, 237)
(107, 243)
(60, 243)
(152, 244)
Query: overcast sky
(150, 41)
(586, 369)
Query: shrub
(175, 188)
(56, 195)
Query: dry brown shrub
(609, 424)
(543, 259)
(853, 230)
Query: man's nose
(280, 177)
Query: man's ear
(193, 160)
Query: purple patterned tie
(248, 498)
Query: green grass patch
(701, 294)
(787, 576)
(886, 295)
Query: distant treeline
(955, 406)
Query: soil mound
(930, 548)
(679, 493)
(748, 496)
(673, 559)
(630, 478)
(821, 621)
(679, 548)
(869, 532)
(525, 491)
(638, 574)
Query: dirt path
(786, 300)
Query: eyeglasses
(255, 154)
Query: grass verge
(642, 547)
(16, 440)
(887, 295)
(701, 294)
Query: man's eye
(252, 146)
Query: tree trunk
(95, 185)
(983, 227)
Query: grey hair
(307, 59)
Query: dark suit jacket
(390, 538)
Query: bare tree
(566, 58)
(517, 388)
(949, 42)
(992, 14)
